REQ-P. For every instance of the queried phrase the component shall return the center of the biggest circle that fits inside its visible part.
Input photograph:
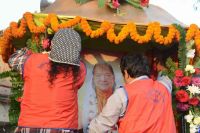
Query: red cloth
(149, 109)
(44, 106)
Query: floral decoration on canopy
(115, 4)
(41, 24)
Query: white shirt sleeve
(165, 81)
(114, 108)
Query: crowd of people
(52, 80)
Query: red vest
(149, 109)
(46, 106)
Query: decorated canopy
(151, 24)
(91, 11)
(131, 29)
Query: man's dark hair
(135, 64)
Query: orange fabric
(45, 106)
(102, 97)
(149, 109)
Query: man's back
(149, 109)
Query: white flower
(191, 53)
(196, 120)
(189, 118)
(190, 68)
(193, 128)
(194, 89)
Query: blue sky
(12, 10)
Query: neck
(102, 97)
(129, 80)
(106, 91)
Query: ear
(126, 75)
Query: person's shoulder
(37, 57)
(166, 82)
(121, 91)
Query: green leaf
(190, 45)
(5, 74)
(101, 3)
(16, 92)
(81, 1)
(170, 64)
(50, 31)
(134, 3)
(182, 50)
(33, 46)
(197, 62)
(111, 6)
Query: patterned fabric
(43, 130)
(16, 60)
(66, 47)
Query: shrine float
(110, 29)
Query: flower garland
(52, 22)
(94, 33)
(5, 44)
(112, 37)
(194, 33)
(164, 40)
(18, 32)
(31, 25)
(141, 39)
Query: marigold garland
(194, 33)
(191, 32)
(53, 21)
(94, 33)
(31, 25)
(141, 38)
(18, 30)
(70, 23)
(5, 44)
(112, 37)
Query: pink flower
(45, 43)
(19, 99)
(183, 106)
(177, 81)
(197, 71)
(115, 3)
(196, 81)
(182, 96)
(179, 73)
